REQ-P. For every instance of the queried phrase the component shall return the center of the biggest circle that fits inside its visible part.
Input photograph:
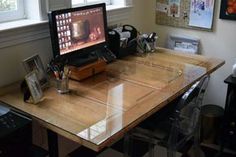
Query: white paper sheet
(201, 13)
(162, 7)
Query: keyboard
(106, 54)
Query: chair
(178, 129)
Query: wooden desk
(101, 109)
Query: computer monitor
(78, 31)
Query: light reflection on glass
(115, 96)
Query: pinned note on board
(174, 8)
(162, 7)
(192, 14)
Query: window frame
(108, 2)
(17, 14)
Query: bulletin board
(192, 14)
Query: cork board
(181, 16)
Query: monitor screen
(77, 29)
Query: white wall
(220, 43)
(11, 59)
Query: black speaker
(115, 45)
(114, 41)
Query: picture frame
(228, 9)
(34, 63)
(34, 87)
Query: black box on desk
(123, 47)
(15, 135)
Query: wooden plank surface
(101, 109)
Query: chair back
(186, 119)
(187, 112)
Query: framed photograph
(34, 63)
(228, 9)
(34, 86)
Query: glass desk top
(102, 108)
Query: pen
(66, 70)
(56, 73)
(51, 67)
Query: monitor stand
(82, 61)
(88, 70)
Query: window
(84, 2)
(11, 10)
(13, 16)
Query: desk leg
(52, 144)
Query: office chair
(175, 131)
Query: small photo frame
(228, 9)
(34, 63)
(34, 86)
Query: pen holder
(62, 85)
